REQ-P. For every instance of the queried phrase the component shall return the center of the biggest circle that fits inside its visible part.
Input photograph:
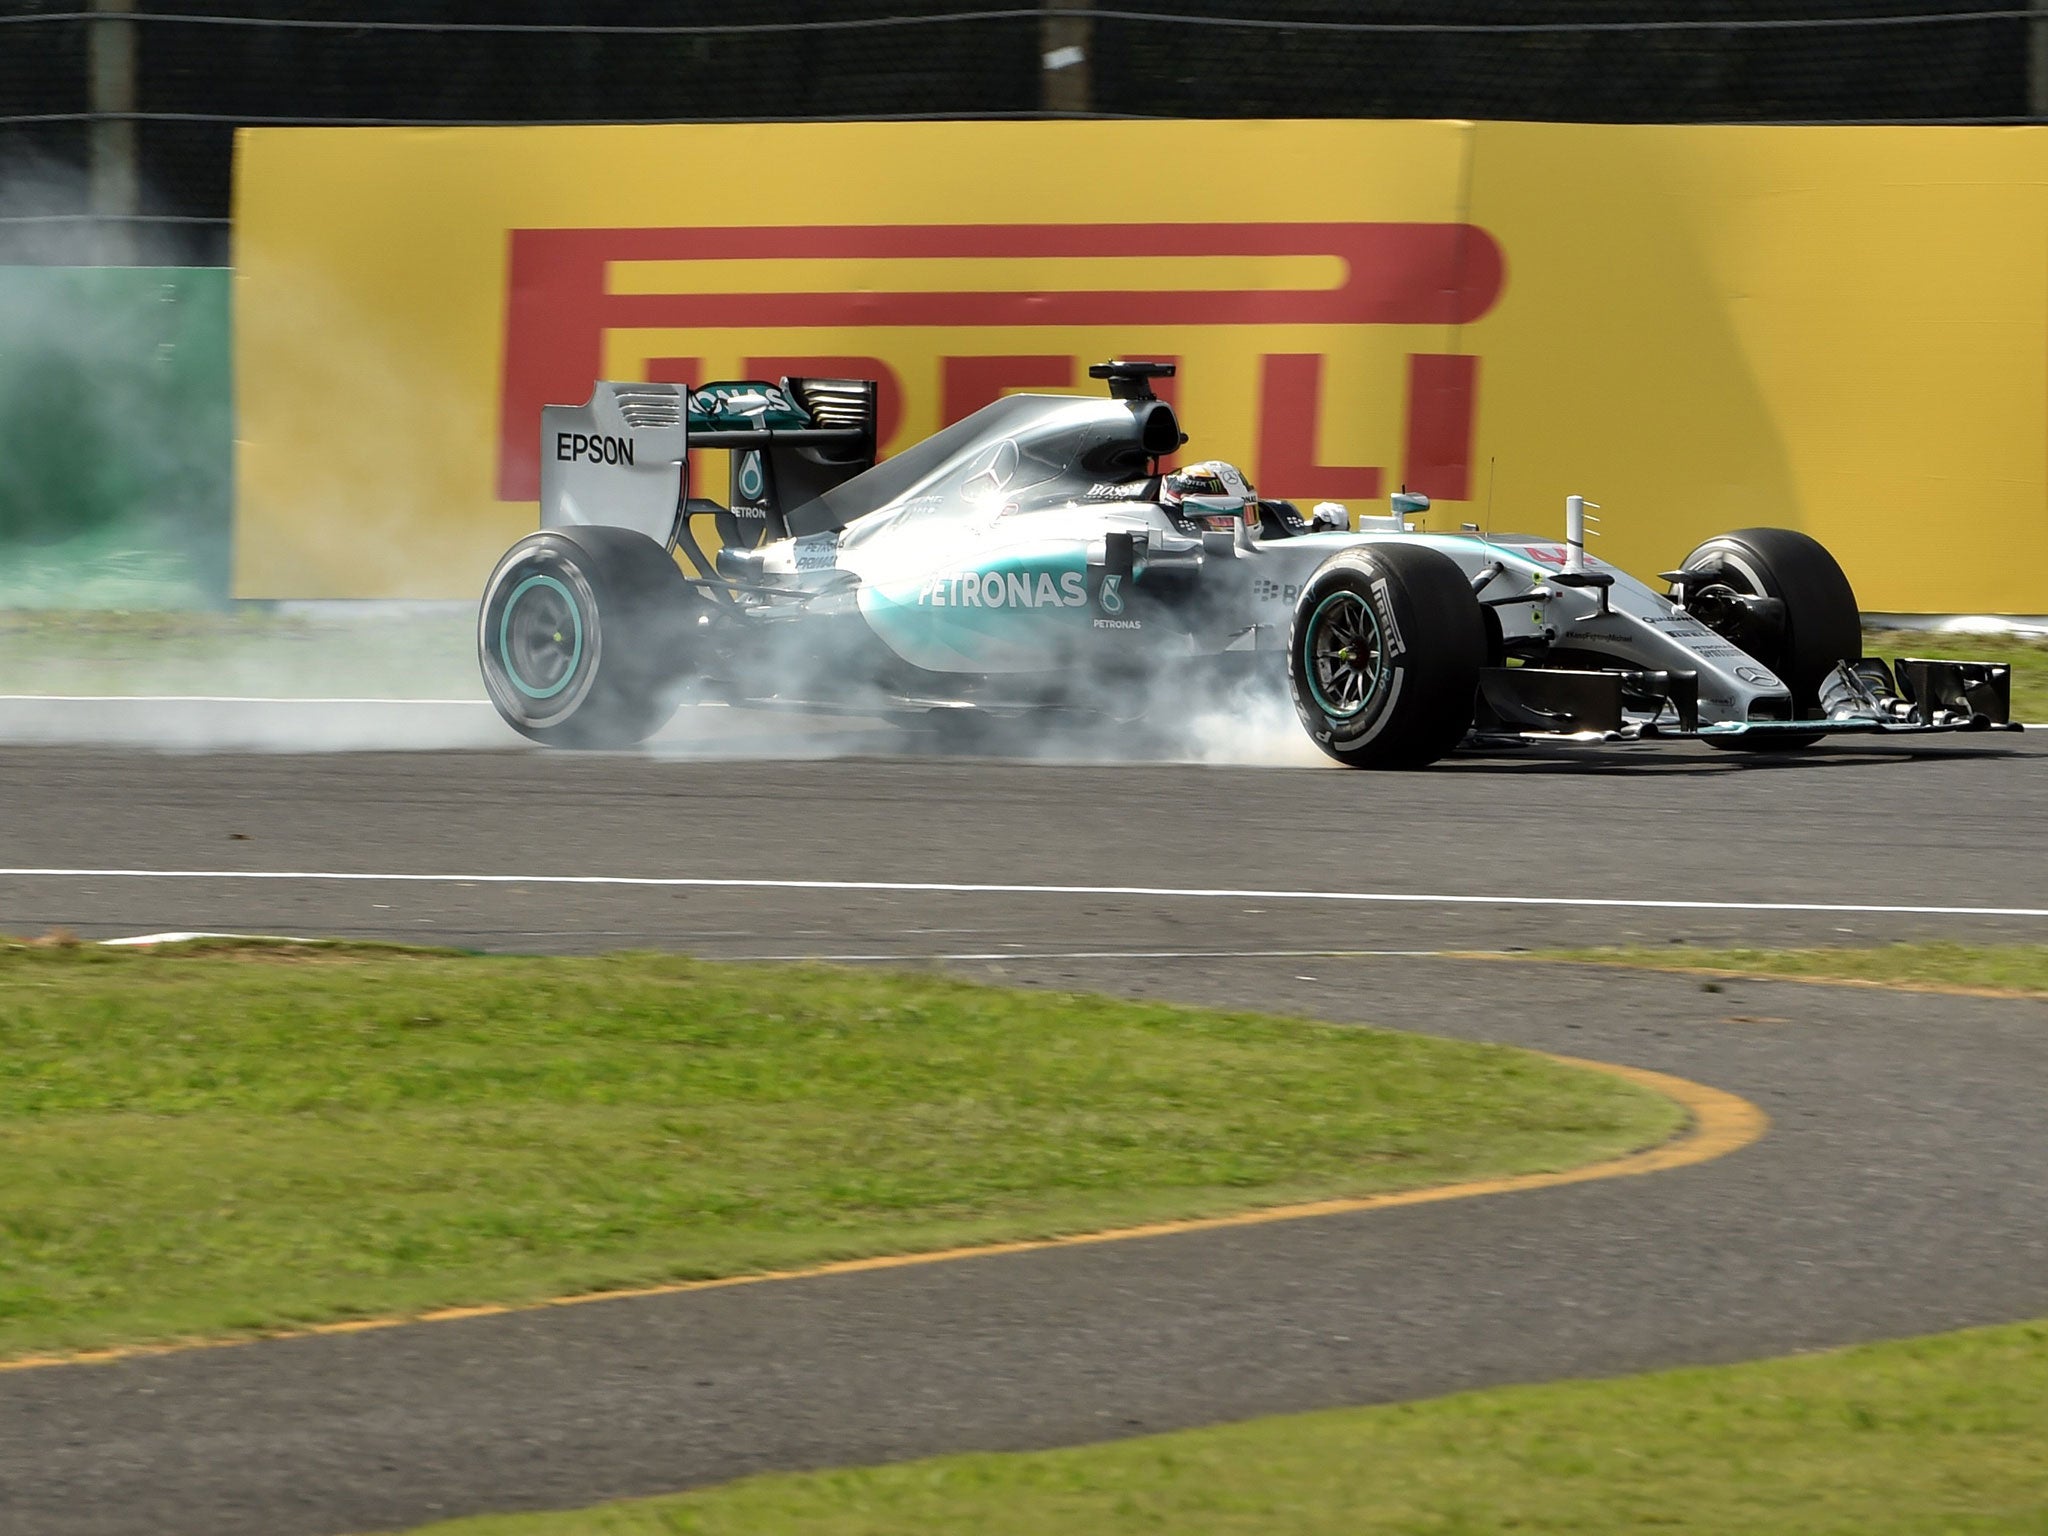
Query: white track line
(150, 940)
(975, 888)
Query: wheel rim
(540, 637)
(1343, 655)
(1773, 652)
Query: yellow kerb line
(1716, 973)
(981, 274)
(1719, 1123)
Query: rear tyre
(585, 636)
(1823, 625)
(1384, 654)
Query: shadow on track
(1674, 759)
(1080, 738)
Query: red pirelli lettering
(969, 383)
(1442, 390)
(560, 305)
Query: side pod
(1551, 701)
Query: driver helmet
(1213, 493)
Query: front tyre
(1822, 625)
(1384, 654)
(584, 636)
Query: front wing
(1913, 696)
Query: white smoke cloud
(113, 622)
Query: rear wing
(621, 459)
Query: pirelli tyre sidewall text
(578, 636)
(1383, 656)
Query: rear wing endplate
(619, 460)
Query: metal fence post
(115, 182)
(2037, 59)
(1066, 49)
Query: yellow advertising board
(1841, 330)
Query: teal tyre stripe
(1308, 655)
(505, 631)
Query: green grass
(170, 563)
(2028, 655)
(228, 1140)
(2019, 968)
(375, 654)
(1941, 1435)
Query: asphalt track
(1902, 1187)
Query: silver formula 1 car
(1034, 557)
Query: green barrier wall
(116, 435)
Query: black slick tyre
(1384, 654)
(1823, 626)
(584, 636)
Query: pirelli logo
(569, 288)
